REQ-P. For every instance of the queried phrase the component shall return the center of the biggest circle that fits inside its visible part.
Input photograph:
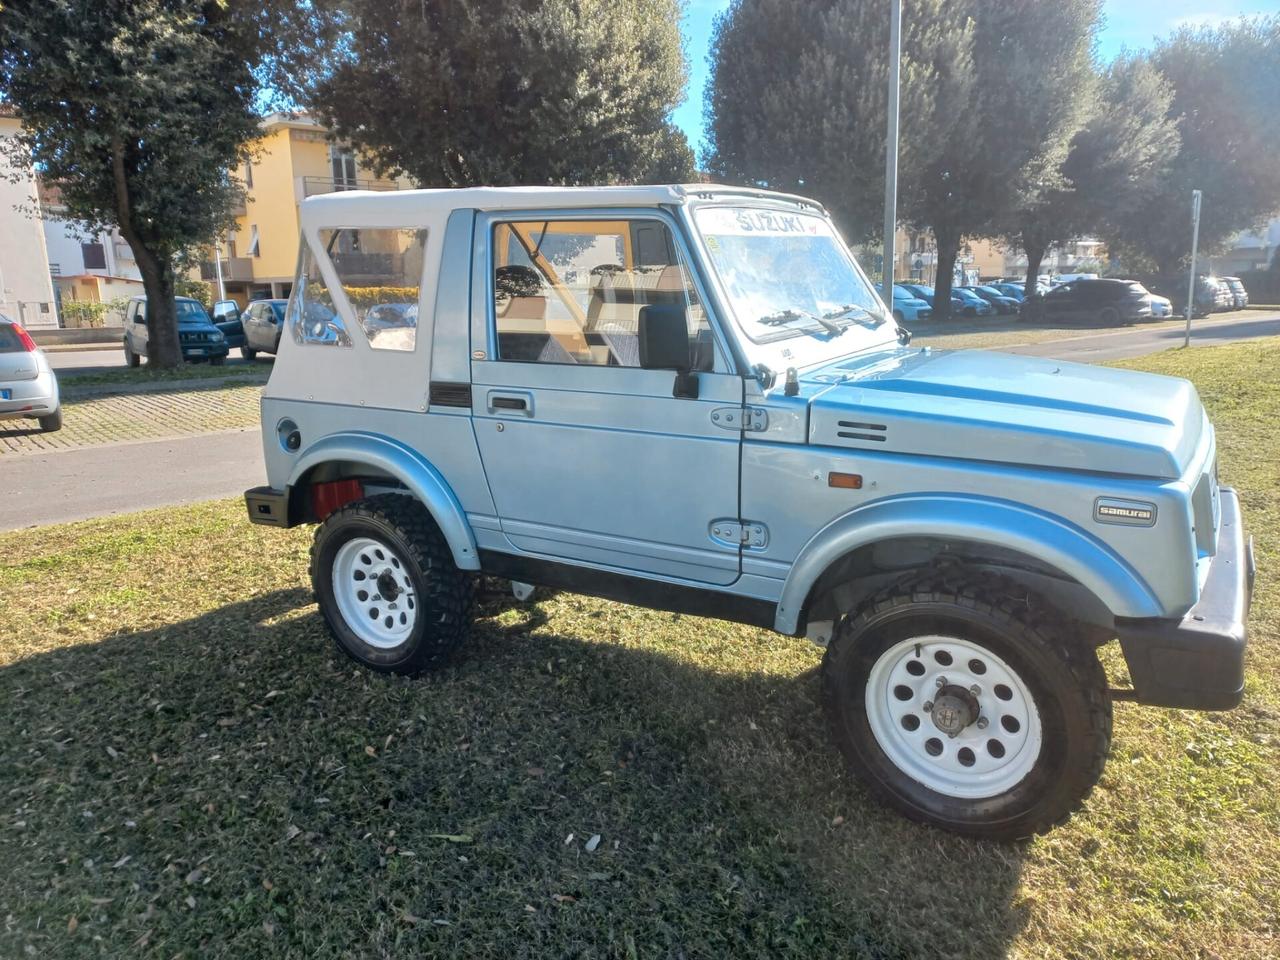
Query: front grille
(196, 338)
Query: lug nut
(976, 690)
(941, 682)
(982, 723)
(928, 706)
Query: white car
(1161, 306)
(28, 387)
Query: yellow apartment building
(293, 160)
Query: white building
(97, 267)
(1252, 250)
(26, 290)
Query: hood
(1003, 408)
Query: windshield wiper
(844, 311)
(791, 316)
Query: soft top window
(381, 272)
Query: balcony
(366, 267)
(314, 186)
(233, 268)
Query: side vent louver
(444, 394)
(861, 431)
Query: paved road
(66, 485)
(1119, 345)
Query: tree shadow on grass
(229, 785)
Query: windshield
(189, 311)
(787, 275)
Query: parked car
(1102, 302)
(1005, 305)
(1174, 289)
(960, 530)
(1009, 289)
(958, 303)
(1223, 298)
(1161, 306)
(28, 385)
(970, 304)
(907, 307)
(198, 338)
(226, 317)
(1238, 293)
(262, 321)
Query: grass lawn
(253, 373)
(189, 769)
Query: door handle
(519, 403)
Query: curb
(77, 391)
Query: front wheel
(131, 358)
(1108, 316)
(218, 361)
(961, 709)
(387, 586)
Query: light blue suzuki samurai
(691, 398)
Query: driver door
(590, 458)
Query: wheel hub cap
(954, 709)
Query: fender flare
(1064, 546)
(409, 467)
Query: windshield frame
(809, 347)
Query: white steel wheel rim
(374, 592)
(900, 693)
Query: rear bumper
(267, 506)
(1197, 662)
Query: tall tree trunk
(157, 273)
(163, 349)
(948, 240)
(1035, 248)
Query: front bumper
(1198, 662)
(204, 351)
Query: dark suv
(1102, 302)
(197, 336)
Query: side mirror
(664, 345)
(226, 310)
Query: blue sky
(1131, 24)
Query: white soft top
(372, 207)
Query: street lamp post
(217, 269)
(1191, 280)
(891, 151)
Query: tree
(1224, 85)
(1114, 166)
(137, 109)
(462, 92)
(797, 98)
(1033, 76)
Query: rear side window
(311, 314)
(381, 273)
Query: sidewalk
(97, 416)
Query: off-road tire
(51, 422)
(444, 594)
(1108, 317)
(1066, 682)
(131, 358)
(248, 353)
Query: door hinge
(741, 419)
(740, 533)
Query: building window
(248, 175)
(95, 257)
(253, 250)
(343, 163)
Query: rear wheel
(387, 586)
(52, 421)
(961, 709)
(131, 358)
(1108, 316)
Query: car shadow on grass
(230, 785)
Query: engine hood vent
(856, 430)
